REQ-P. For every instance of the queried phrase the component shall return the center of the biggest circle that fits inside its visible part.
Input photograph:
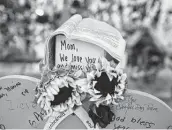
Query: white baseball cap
(88, 30)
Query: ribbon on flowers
(58, 117)
(55, 119)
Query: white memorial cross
(139, 110)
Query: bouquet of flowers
(101, 84)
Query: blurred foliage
(25, 25)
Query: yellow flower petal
(69, 79)
(56, 108)
(50, 97)
(109, 101)
(40, 99)
(114, 102)
(98, 96)
(57, 81)
(49, 93)
(69, 101)
(78, 101)
(122, 86)
(110, 77)
(81, 82)
(71, 105)
(42, 104)
(91, 92)
(56, 88)
(123, 78)
(78, 73)
(76, 94)
(114, 74)
(53, 91)
(73, 97)
(96, 91)
(108, 97)
(93, 99)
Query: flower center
(104, 85)
(62, 96)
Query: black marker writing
(73, 67)
(57, 119)
(63, 57)
(10, 88)
(32, 123)
(141, 122)
(90, 60)
(76, 58)
(3, 95)
(116, 127)
(89, 124)
(37, 118)
(65, 46)
(25, 92)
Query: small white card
(75, 52)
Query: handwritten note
(75, 52)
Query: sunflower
(60, 94)
(108, 85)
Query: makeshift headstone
(82, 63)
(138, 110)
(18, 110)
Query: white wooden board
(139, 110)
